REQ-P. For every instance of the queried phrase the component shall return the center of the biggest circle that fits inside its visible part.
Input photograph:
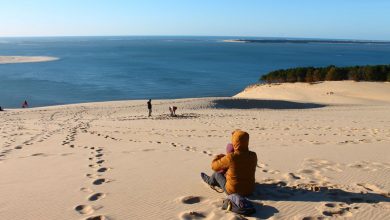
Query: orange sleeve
(221, 163)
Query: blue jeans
(218, 179)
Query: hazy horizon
(199, 36)
(349, 19)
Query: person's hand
(219, 156)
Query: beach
(25, 59)
(323, 153)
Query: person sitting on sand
(25, 104)
(240, 166)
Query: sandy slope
(339, 92)
(25, 59)
(108, 159)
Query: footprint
(330, 205)
(87, 190)
(314, 218)
(99, 155)
(38, 154)
(370, 187)
(292, 176)
(92, 175)
(99, 181)
(190, 199)
(192, 215)
(96, 196)
(99, 217)
(102, 170)
(337, 210)
(84, 209)
(207, 153)
(100, 162)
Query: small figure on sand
(1, 109)
(172, 109)
(240, 166)
(150, 107)
(25, 104)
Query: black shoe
(205, 178)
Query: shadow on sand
(179, 116)
(281, 192)
(262, 104)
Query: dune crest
(328, 92)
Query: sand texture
(25, 59)
(337, 92)
(110, 161)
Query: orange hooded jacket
(240, 165)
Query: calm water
(118, 68)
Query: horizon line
(233, 36)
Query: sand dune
(110, 161)
(336, 92)
(25, 59)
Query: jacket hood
(240, 141)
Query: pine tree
(331, 75)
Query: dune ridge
(328, 92)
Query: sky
(336, 19)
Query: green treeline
(330, 73)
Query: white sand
(338, 92)
(25, 59)
(109, 159)
(234, 41)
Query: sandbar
(25, 59)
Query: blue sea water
(121, 68)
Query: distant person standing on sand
(1, 109)
(25, 104)
(150, 107)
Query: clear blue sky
(349, 19)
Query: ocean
(93, 69)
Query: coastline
(323, 93)
(26, 59)
(307, 41)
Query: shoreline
(306, 41)
(26, 59)
(328, 93)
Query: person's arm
(220, 162)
